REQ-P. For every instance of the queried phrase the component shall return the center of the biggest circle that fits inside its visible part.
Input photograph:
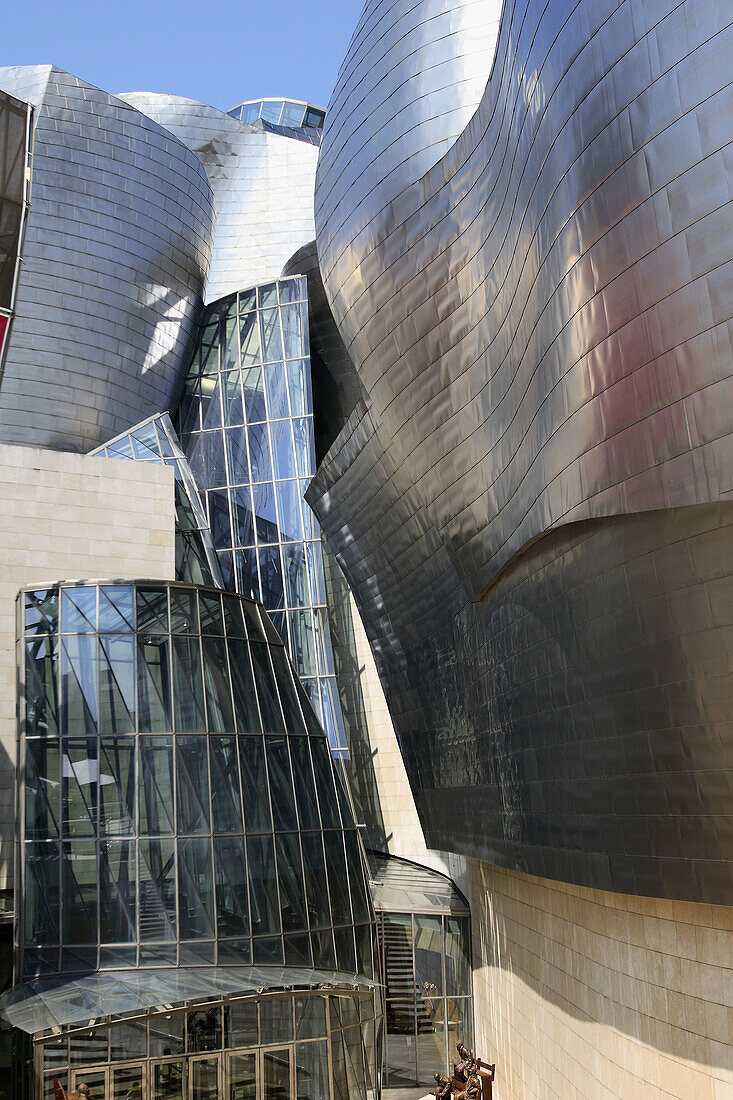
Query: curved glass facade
(179, 804)
(246, 426)
(312, 1046)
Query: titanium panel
(263, 188)
(542, 324)
(116, 251)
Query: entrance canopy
(45, 1003)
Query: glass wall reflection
(246, 426)
(180, 804)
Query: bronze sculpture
(471, 1079)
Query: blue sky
(221, 52)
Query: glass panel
(117, 684)
(359, 900)
(302, 643)
(152, 610)
(276, 1075)
(310, 1017)
(79, 892)
(79, 683)
(42, 787)
(249, 335)
(41, 687)
(272, 345)
(267, 692)
(242, 516)
(281, 784)
(265, 909)
(277, 391)
(153, 684)
(276, 1020)
(290, 879)
(78, 609)
(42, 611)
(95, 1080)
(79, 789)
(296, 575)
(233, 400)
(127, 1083)
(156, 786)
(315, 880)
(325, 784)
(254, 785)
(458, 1022)
(242, 1077)
(245, 698)
(187, 684)
(184, 618)
(292, 322)
(216, 677)
(168, 1081)
(157, 891)
(305, 792)
(265, 512)
(292, 114)
(166, 1035)
(225, 797)
(457, 957)
(238, 456)
(344, 939)
(240, 1024)
(116, 609)
(117, 892)
(192, 785)
(204, 1029)
(304, 446)
(299, 384)
(195, 889)
(41, 902)
(271, 577)
(311, 1071)
(259, 453)
(128, 1041)
(288, 503)
(283, 449)
(232, 909)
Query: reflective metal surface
(116, 250)
(15, 140)
(541, 322)
(262, 183)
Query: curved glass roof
(400, 886)
(280, 112)
(45, 1003)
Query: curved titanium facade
(541, 323)
(179, 806)
(116, 251)
(262, 183)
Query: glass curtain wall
(180, 805)
(154, 440)
(428, 1004)
(306, 1046)
(246, 426)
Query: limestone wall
(69, 516)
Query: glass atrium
(246, 427)
(186, 843)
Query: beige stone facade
(70, 516)
(586, 994)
